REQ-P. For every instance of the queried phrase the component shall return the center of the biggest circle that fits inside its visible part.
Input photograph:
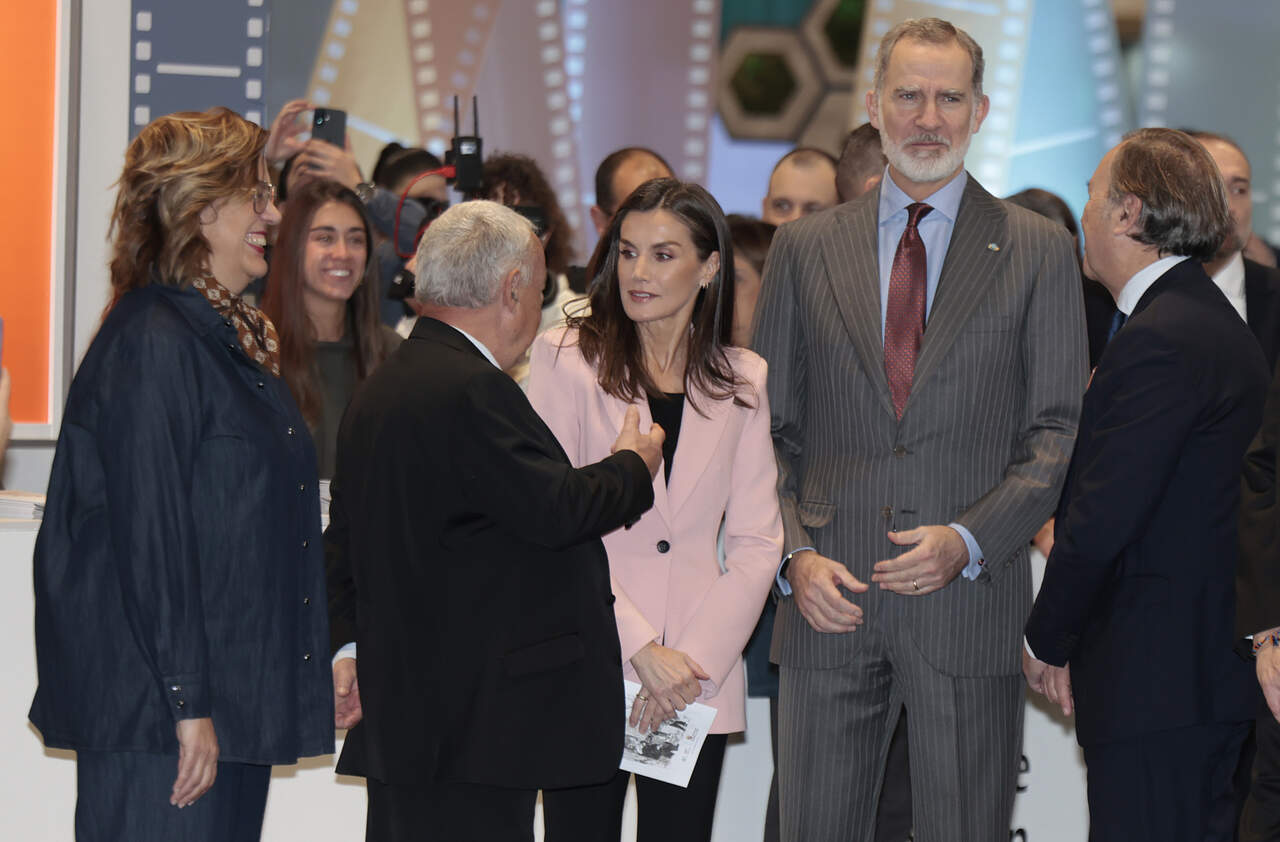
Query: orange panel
(28, 56)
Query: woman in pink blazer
(657, 337)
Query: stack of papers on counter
(21, 505)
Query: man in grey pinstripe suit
(919, 451)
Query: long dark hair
(283, 302)
(515, 180)
(607, 337)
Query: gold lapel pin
(993, 247)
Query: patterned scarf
(257, 334)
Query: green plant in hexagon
(843, 30)
(763, 83)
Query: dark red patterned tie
(904, 315)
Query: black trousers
(666, 813)
(1261, 819)
(123, 796)
(1171, 786)
(450, 812)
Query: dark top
(336, 364)
(178, 569)
(1139, 591)
(465, 562)
(667, 409)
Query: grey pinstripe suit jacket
(984, 439)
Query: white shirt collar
(480, 346)
(1142, 281)
(1230, 279)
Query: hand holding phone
(330, 125)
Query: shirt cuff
(784, 587)
(348, 651)
(1027, 644)
(187, 697)
(974, 568)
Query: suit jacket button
(887, 513)
(306, 657)
(899, 451)
(181, 703)
(663, 546)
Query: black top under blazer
(178, 569)
(464, 559)
(1139, 592)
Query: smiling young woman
(323, 297)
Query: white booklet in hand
(670, 752)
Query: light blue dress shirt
(935, 231)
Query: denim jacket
(179, 569)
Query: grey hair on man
(465, 253)
(930, 31)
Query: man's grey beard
(927, 169)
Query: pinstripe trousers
(965, 743)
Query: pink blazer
(723, 467)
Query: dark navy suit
(1139, 593)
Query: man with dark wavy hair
(1133, 625)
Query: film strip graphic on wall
(447, 49)
(192, 55)
(1198, 61)
(1104, 63)
(645, 59)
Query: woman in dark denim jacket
(180, 614)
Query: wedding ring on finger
(915, 583)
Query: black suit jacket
(1258, 571)
(1099, 311)
(464, 549)
(1261, 285)
(1138, 595)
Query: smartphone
(330, 125)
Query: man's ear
(873, 113)
(1129, 214)
(509, 294)
(600, 220)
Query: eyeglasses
(264, 193)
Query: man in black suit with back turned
(465, 560)
(1138, 594)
